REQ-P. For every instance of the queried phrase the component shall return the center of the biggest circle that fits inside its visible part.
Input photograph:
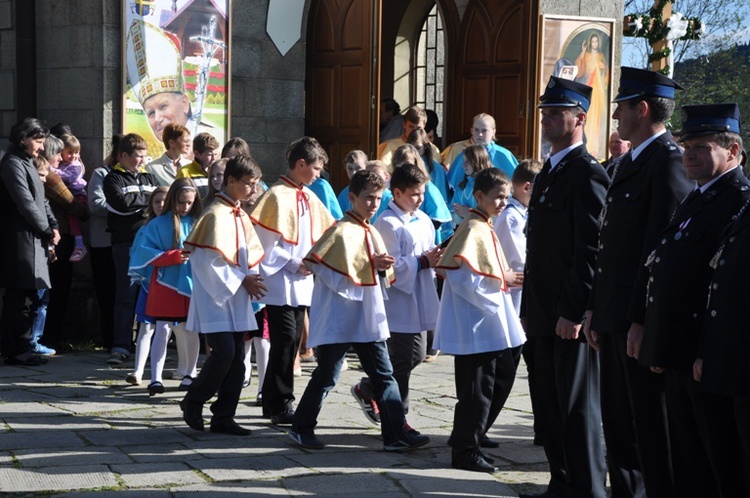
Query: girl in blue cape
(160, 259)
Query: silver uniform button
(627, 195)
(715, 286)
(713, 313)
(722, 262)
(657, 259)
(651, 299)
(695, 315)
(732, 239)
(663, 241)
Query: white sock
(187, 361)
(159, 350)
(181, 340)
(262, 350)
(248, 365)
(142, 347)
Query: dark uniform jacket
(562, 233)
(127, 196)
(725, 343)
(680, 272)
(643, 196)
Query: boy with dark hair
(289, 219)
(412, 304)
(225, 258)
(127, 189)
(205, 152)
(178, 145)
(477, 323)
(350, 260)
(415, 117)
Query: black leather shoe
(484, 456)
(475, 463)
(31, 360)
(488, 443)
(283, 418)
(192, 414)
(230, 427)
(546, 494)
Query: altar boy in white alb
(289, 218)
(412, 304)
(477, 322)
(351, 269)
(225, 257)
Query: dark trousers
(103, 273)
(285, 328)
(222, 373)
(483, 383)
(61, 276)
(634, 417)
(693, 475)
(566, 395)
(705, 441)
(16, 321)
(407, 351)
(125, 296)
(374, 359)
(742, 421)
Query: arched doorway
(358, 50)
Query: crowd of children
(213, 251)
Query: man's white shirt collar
(555, 158)
(639, 149)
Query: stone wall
(7, 70)
(78, 71)
(267, 90)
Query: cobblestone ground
(74, 426)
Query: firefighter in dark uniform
(562, 235)
(648, 185)
(723, 364)
(680, 274)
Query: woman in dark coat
(28, 229)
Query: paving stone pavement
(73, 427)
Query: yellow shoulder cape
(344, 248)
(277, 210)
(475, 244)
(214, 231)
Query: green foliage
(719, 78)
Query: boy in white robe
(351, 269)
(412, 304)
(477, 322)
(289, 218)
(225, 257)
(510, 224)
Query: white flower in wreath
(701, 32)
(678, 26)
(636, 24)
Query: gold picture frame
(582, 49)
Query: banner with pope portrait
(175, 68)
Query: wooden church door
(342, 94)
(493, 71)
